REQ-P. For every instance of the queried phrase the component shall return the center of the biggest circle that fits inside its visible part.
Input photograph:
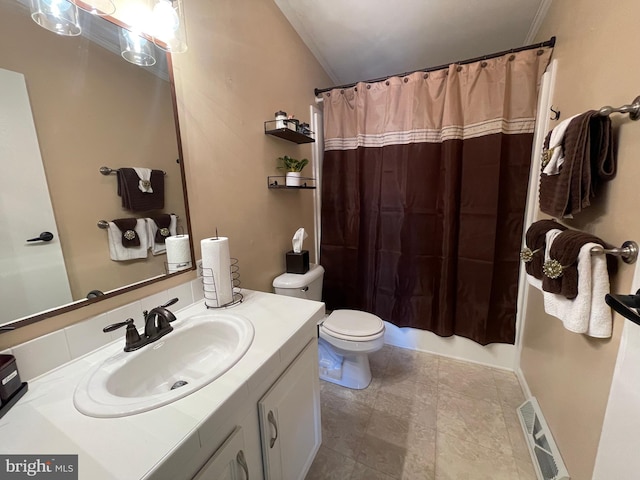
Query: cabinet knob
(242, 461)
(272, 420)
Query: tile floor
(423, 417)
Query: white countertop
(46, 422)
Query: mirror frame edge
(16, 324)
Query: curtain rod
(549, 43)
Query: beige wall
(91, 108)
(571, 374)
(244, 63)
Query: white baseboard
(523, 382)
(497, 355)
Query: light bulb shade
(102, 8)
(58, 16)
(136, 49)
(168, 26)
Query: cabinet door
(228, 463)
(290, 419)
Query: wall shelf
(279, 182)
(290, 134)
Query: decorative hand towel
(130, 238)
(159, 228)
(144, 184)
(118, 252)
(587, 313)
(549, 237)
(561, 271)
(533, 253)
(136, 200)
(589, 160)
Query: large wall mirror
(68, 106)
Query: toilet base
(355, 372)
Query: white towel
(144, 185)
(588, 313)
(555, 144)
(152, 228)
(119, 253)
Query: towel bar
(104, 224)
(109, 171)
(633, 110)
(628, 252)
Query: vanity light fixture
(58, 16)
(167, 21)
(102, 8)
(136, 49)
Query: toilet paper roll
(216, 271)
(178, 253)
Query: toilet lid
(353, 323)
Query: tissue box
(9, 377)
(297, 262)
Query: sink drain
(178, 384)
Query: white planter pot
(294, 179)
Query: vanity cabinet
(229, 462)
(290, 426)
(209, 434)
(277, 436)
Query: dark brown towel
(135, 200)
(589, 159)
(535, 240)
(565, 249)
(162, 221)
(126, 226)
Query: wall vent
(544, 452)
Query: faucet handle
(132, 337)
(170, 302)
(114, 326)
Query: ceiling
(356, 40)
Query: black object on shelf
(281, 182)
(289, 132)
(6, 406)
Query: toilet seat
(353, 325)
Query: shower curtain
(423, 193)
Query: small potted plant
(293, 167)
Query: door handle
(272, 421)
(43, 237)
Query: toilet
(346, 337)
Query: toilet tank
(307, 285)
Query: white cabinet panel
(229, 461)
(290, 419)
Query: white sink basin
(200, 349)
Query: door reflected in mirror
(70, 105)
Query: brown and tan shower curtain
(423, 193)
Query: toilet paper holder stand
(211, 295)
